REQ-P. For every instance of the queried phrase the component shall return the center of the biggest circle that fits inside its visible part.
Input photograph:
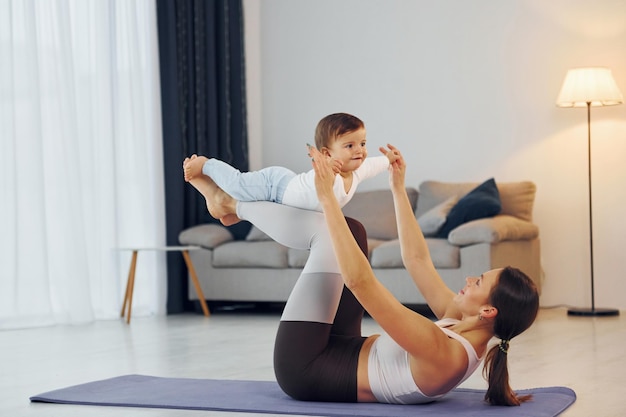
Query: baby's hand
(336, 165)
(324, 173)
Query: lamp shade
(593, 85)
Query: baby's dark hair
(517, 300)
(335, 125)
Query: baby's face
(350, 149)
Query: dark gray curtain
(204, 111)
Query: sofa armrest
(206, 235)
(492, 230)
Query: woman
(320, 354)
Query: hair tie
(504, 346)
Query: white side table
(130, 283)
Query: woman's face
(476, 292)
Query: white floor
(585, 354)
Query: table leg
(130, 284)
(196, 283)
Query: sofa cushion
(493, 230)
(431, 221)
(367, 206)
(443, 254)
(517, 198)
(483, 201)
(373, 244)
(206, 235)
(387, 255)
(243, 254)
(433, 193)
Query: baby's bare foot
(192, 166)
(220, 205)
(185, 163)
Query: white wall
(467, 90)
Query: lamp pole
(593, 295)
(593, 311)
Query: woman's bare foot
(220, 205)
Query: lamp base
(593, 312)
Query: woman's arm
(415, 333)
(353, 263)
(414, 250)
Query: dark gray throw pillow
(483, 201)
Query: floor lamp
(590, 87)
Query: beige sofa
(257, 269)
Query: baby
(338, 136)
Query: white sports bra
(390, 374)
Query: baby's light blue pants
(267, 184)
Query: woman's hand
(397, 166)
(324, 168)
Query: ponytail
(496, 371)
(517, 300)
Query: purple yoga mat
(267, 397)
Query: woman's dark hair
(334, 125)
(517, 300)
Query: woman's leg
(316, 362)
(317, 345)
(320, 288)
(316, 295)
(319, 337)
